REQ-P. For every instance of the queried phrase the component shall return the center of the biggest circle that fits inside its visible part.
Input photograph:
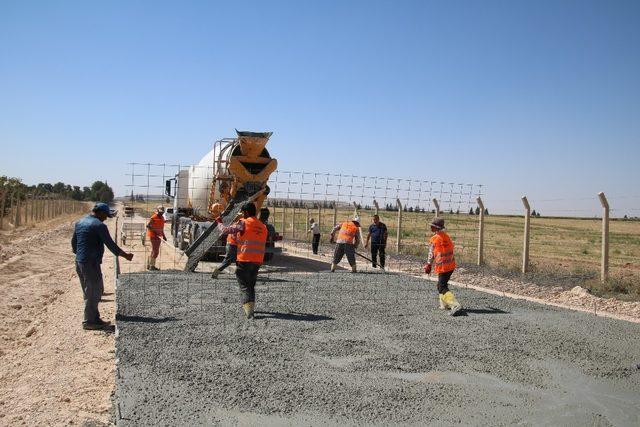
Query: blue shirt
(89, 237)
(378, 232)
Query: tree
(486, 211)
(470, 211)
(101, 192)
(478, 210)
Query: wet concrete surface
(363, 349)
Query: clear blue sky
(539, 98)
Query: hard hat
(160, 208)
(356, 218)
(438, 223)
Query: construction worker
(271, 234)
(231, 252)
(441, 255)
(314, 228)
(89, 239)
(155, 231)
(251, 237)
(378, 234)
(346, 243)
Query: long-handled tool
(362, 256)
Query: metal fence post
(306, 226)
(399, 230)
(16, 220)
(604, 267)
(480, 232)
(335, 214)
(319, 217)
(527, 220)
(437, 205)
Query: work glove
(219, 220)
(427, 269)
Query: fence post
(604, 267)
(16, 221)
(335, 214)
(319, 217)
(527, 220)
(437, 205)
(480, 231)
(2, 206)
(293, 224)
(284, 220)
(376, 207)
(399, 230)
(306, 225)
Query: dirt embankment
(52, 372)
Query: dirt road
(52, 372)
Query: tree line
(98, 191)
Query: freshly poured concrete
(359, 349)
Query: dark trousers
(377, 248)
(247, 274)
(90, 275)
(443, 282)
(343, 249)
(229, 257)
(315, 243)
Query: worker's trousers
(247, 274)
(90, 275)
(155, 247)
(343, 249)
(229, 256)
(315, 243)
(443, 282)
(377, 249)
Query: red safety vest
(251, 243)
(348, 232)
(157, 226)
(443, 258)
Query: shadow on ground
(143, 319)
(304, 317)
(488, 310)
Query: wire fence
(559, 248)
(22, 208)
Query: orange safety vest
(251, 243)
(157, 226)
(348, 233)
(231, 239)
(443, 258)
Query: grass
(559, 247)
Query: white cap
(356, 218)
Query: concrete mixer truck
(236, 170)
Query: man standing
(251, 236)
(346, 243)
(441, 254)
(89, 237)
(378, 234)
(155, 231)
(315, 231)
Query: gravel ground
(368, 348)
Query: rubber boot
(215, 273)
(452, 302)
(248, 309)
(443, 305)
(333, 267)
(354, 269)
(152, 264)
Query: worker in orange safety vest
(442, 258)
(155, 231)
(251, 236)
(346, 243)
(231, 253)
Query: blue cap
(102, 207)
